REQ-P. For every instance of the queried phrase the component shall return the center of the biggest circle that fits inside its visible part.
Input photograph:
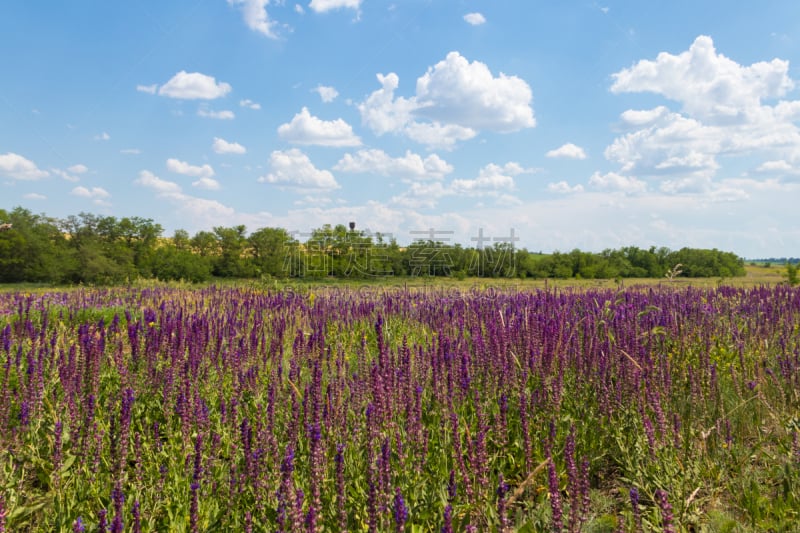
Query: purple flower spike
(77, 526)
(637, 514)
(666, 511)
(400, 511)
(447, 527)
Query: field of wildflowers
(240, 409)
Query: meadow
(401, 407)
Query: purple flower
(555, 496)
(502, 490)
(666, 511)
(102, 525)
(447, 526)
(637, 513)
(137, 518)
(77, 526)
(400, 510)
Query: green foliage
(791, 274)
(96, 249)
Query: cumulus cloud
(459, 92)
(491, 180)
(256, 16)
(78, 169)
(475, 19)
(221, 146)
(562, 187)
(98, 195)
(194, 86)
(779, 165)
(322, 6)
(438, 135)
(293, 168)
(726, 109)
(411, 166)
(17, 167)
(707, 84)
(209, 184)
(328, 94)
(249, 104)
(382, 112)
(569, 151)
(219, 115)
(34, 196)
(198, 208)
(182, 167)
(149, 89)
(454, 100)
(151, 181)
(612, 181)
(307, 129)
(643, 118)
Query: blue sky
(575, 124)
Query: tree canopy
(95, 249)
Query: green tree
(231, 261)
(32, 249)
(270, 248)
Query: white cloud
(78, 169)
(491, 179)
(98, 195)
(321, 6)
(328, 94)
(256, 16)
(677, 145)
(562, 187)
(437, 135)
(612, 181)
(775, 166)
(293, 168)
(130, 151)
(475, 19)
(162, 187)
(299, 9)
(459, 92)
(454, 100)
(727, 109)
(194, 86)
(34, 196)
(709, 85)
(197, 208)
(249, 104)
(569, 151)
(102, 137)
(637, 118)
(307, 129)
(410, 166)
(422, 195)
(149, 89)
(19, 168)
(181, 167)
(219, 115)
(221, 146)
(209, 184)
(65, 175)
(382, 112)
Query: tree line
(89, 248)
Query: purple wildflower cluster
(271, 411)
